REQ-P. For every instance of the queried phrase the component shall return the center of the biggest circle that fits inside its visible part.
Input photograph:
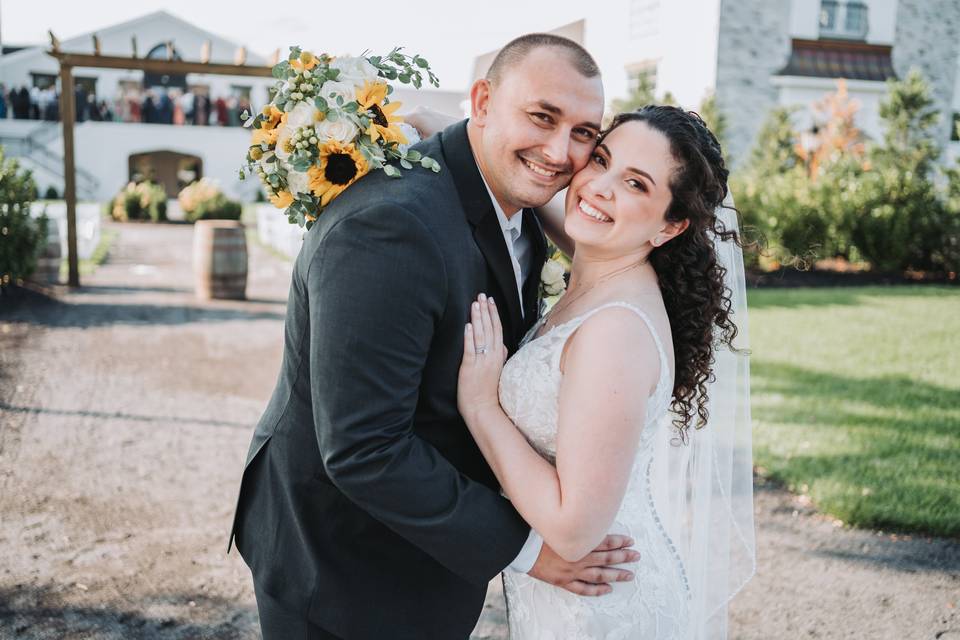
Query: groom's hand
(591, 575)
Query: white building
(109, 154)
(758, 54)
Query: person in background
(220, 108)
(34, 103)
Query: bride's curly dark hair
(691, 280)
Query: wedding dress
(655, 604)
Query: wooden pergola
(68, 61)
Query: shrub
(51, 194)
(22, 238)
(838, 197)
(140, 201)
(903, 221)
(203, 200)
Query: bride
(627, 408)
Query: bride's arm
(428, 122)
(551, 217)
(607, 377)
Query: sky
(449, 34)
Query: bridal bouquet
(329, 123)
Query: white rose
(286, 133)
(341, 130)
(302, 115)
(297, 182)
(355, 70)
(553, 289)
(331, 89)
(552, 273)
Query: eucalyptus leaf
(414, 156)
(405, 164)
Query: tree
(715, 119)
(903, 222)
(640, 96)
(836, 137)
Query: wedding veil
(703, 488)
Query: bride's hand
(483, 358)
(427, 121)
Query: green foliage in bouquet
(203, 200)
(139, 201)
(22, 238)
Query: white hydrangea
(413, 136)
(331, 89)
(297, 182)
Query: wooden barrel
(220, 259)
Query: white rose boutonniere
(552, 282)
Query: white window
(843, 19)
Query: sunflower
(269, 134)
(281, 200)
(340, 166)
(271, 117)
(383, 123)
(306, 61)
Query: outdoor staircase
(34, 148)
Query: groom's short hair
(517, 49)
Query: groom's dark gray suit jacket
(365, 504)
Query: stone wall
(928, 38)
(754, 44)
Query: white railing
(274, 230)
(88, 224)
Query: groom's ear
(479, 101)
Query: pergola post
(68, 117)
(68, 112)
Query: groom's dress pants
(279, 623)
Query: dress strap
(572, 325)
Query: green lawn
(856, 401)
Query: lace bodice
(654, 604)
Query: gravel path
(125, 412)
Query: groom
(365, 509)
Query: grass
(856, 401)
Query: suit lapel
(487, 232)
(538, 255)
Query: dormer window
(846, 20)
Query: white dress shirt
(518, 246)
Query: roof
(839, 59)
(83, 43)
